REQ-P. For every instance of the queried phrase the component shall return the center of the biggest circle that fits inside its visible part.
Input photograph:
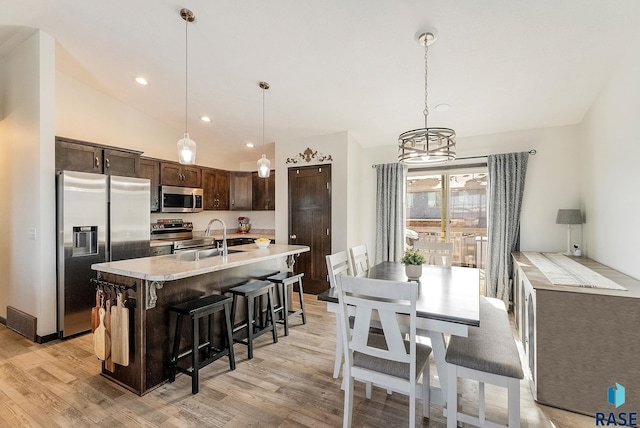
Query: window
(450, 206)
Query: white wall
(27, 260)
(361, 207)
(84, 113)
(553, 179)
(611, 150)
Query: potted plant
(413, 261)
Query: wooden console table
(578, 341)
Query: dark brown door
(121, 163)
(78, 157)
(150, 169)
(240, 191)
(263, 191)
(215, 183)
(174, 174)
(310, 222)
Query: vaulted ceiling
(502, 65)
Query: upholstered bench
(487, 355)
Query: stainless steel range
(180, 234)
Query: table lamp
(569, 217)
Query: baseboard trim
(22, 323)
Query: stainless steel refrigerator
(99, 218)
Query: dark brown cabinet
(150, 168)
(175, 174)
(240, 191)
(216, 186)
(263, 192)
(75, 155)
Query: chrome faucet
(207, 232)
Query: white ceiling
(339, 65)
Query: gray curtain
(506, 186)
(390, 220)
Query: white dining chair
(359, 260)
(436, 253)
(386, 360)
(337, 264)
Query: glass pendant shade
(264, 167)
(264, 164)
(186, 146)
(187, 150)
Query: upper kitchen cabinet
(74, 155)
(241, 184)
(150, 168)
(175, 174)
(263, 192)
(216, 187)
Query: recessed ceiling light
(142, 81)
(250, 145)
(205, 118)
(443, 107)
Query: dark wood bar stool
(263, 274)
(285, 280)
(254, 322)
(197, 309)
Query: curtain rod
(532, 152)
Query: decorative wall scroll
(310, 156)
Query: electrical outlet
(32, 233)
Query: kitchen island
(154, 284)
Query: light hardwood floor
(288, 384)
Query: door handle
(293, 236)
(106, 161)
(97, 162)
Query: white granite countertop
(172, 267)
(233, 235)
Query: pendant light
(186, 146)
(427, 145)
(264, 164)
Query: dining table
(448, 304)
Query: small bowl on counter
(262, 244)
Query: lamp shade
(264, 167)
(187, 150)
(569, 217)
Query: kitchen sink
(194, 255)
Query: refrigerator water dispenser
(85, 240)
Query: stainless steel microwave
(180, 199)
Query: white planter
(413, 272)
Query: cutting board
(109, 363)
(100, 337)
(95, 318)
(120, 332)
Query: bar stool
(254, 323)
(286, 279)
(262, 274)
(197, 309)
